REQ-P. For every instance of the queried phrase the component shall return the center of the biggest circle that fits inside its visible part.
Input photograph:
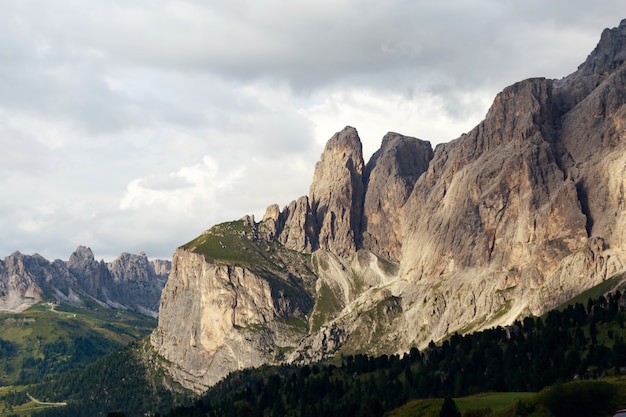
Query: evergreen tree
(449, 408)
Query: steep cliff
(232, 301)
(129, 282)
(518, 215)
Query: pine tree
(449, 408)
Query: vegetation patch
(357, 283)
(326, 305)
(232, 243)
(297, 324)
(237, 244)
(578, 398)
(320, 262)
(494, 401)
(498, 314)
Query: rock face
(129, 282)
(520, 214)
(389, 178)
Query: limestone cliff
(523, 212)
(232, 301)
(129, 282)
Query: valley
(490, 270)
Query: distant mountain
(509, 220)
(130, 282)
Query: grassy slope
(589, 398)
(47, 340)
(237, 244)
(498, 402)
(594, 292)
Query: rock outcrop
(129, 282)
(297, 226)
(232, 301)
(520, 214)
(337, 193)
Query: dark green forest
(124, 381)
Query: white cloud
(191, 189)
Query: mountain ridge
(128, 282)
(509, 220)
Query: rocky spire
(337, 193)
(389, 179)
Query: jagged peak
(402, 147)
(82, 253)
(346, 140)
(271, 213)
(609, 53)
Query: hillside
(50, 339)
(509, 220)
(581, 342)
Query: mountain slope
(50, 339)
(520, 214)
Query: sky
(134, 125)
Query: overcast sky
(129, 125)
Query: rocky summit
(511, 219)
(130, 282)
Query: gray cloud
(133, 125)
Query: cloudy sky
(129, 125)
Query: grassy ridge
(233, 243)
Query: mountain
(130, 282)
(509, 220)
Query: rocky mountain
(516, 216)
(129, 282)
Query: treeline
(578, 342)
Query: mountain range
(130, 282)
(509, 220)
